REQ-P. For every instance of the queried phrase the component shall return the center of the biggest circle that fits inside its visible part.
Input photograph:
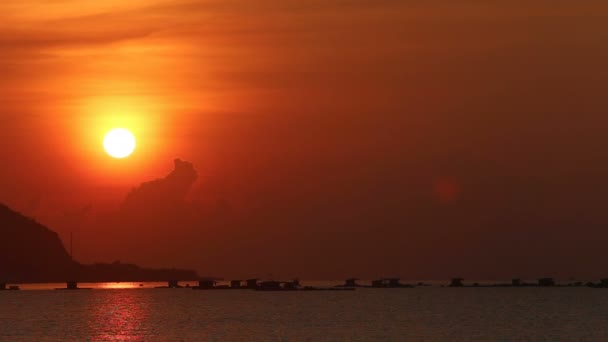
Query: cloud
(162, 194)
(39, 38)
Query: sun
(119, 143)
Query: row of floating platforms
(542, 282)
(294, 285)
(384, 283)
(352, 284)
(254, 284)
(349, 285)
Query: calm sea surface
(430, 313)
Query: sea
(141, 312)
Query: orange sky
(331, 138)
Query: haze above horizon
(325, 138)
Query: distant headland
(32, 253)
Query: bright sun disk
(119, 143)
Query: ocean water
(427, 314)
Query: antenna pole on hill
(71, 250)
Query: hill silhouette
(33, 253)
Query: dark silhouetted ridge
(31, 252)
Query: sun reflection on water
(118, 286)
(119, 316)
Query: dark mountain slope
(30, 252)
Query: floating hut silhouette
(206, 283)
(545, 282)
(602, 284)
(516, 282)
(388, 283)
(394, 282)
(456, 282)
(352, 282)
(211, 284)
(252, 283)
(73, 285)
(171, 284)
(3, 287)
(291, 285)
(270, 284)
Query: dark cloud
(162, 194)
